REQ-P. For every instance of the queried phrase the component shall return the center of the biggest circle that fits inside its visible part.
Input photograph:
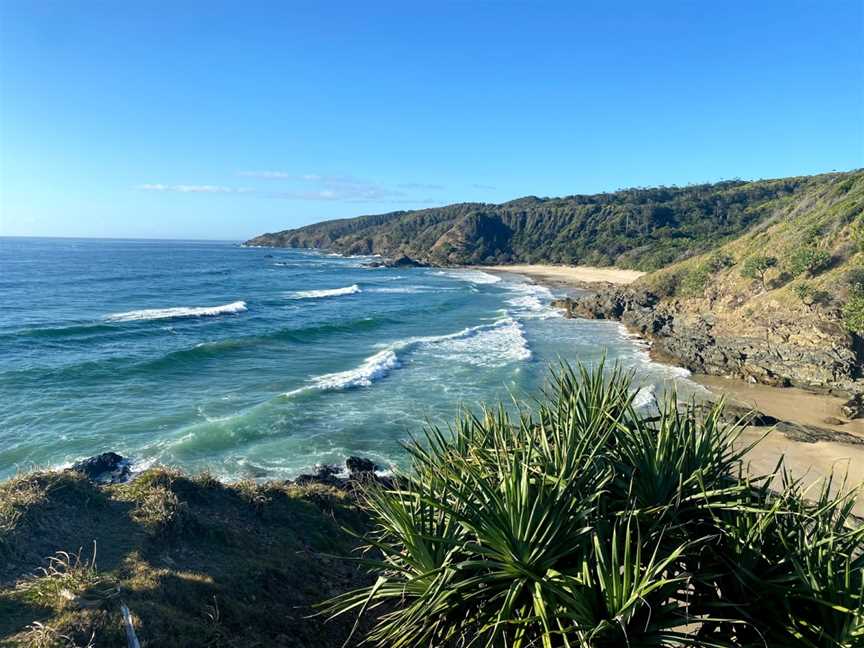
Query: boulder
(106, 468)
(359, 465)
(853, 408)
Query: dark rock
(853, 408)
(812, 434)
(405, 262)
(106, 468)
(359, 465)
(783, 354)
(734, 412)
(324, 474)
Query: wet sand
(784, 403)
(811, 461)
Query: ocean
(261, 363)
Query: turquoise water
(261, 363)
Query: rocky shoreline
(821, 357)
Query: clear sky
(227, 119)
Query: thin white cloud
(420, 185)
(483, 186)
(184, 188)
(268, 175)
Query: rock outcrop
(106, 468)
(818, 355)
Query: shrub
(855, 281)
(809, 295)
(809, 260)
(853, 314)
(586, 523)
(666, 284)
(694, 282)
(756, 266)
(720, 261)
(858, 232)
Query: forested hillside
(644, 229)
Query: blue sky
(227, 119)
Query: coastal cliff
(640, 228)
(787, 349)
(783, 304)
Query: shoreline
(811, 461)
(572, 276)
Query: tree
(808, 260)
(756, 266)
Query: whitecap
(371, 369)
(532, 301)
(331, 292)
(178, 311)
(472, 276)
(487, 345)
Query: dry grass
(198, 562)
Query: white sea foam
(645, 398)
(407, 290)
(332, 292)
(371, 369)
(178, 311)
(494, 345)
(532, 301)
(640, 353)
(472, 276)
(488, 345)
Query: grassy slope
(198, 563)
(820, 217)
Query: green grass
(198, 562)
(585, 523)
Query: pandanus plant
(584, 522)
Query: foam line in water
(495, 344)
(331, 292)
(178, 311)
(472, 276)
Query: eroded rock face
(816, 355)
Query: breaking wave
(178, 311)
(488, 345)
(331, 292)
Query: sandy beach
(813, 461)
(570, 275)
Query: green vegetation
(645, 229)
(756, 266)
(198, 563)
(588, 524)
(853, 314)
(809, 295)
(808, 260)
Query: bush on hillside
(858, 232)
(853, 314)
(757, 266)
(810, 295)
(808, 260)
(855, 281)
(694, 282)
(589, 524)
